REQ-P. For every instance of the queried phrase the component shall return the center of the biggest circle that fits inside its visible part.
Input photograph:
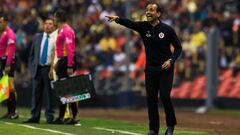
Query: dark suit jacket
(34, 54)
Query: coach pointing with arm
(157, 38)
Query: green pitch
(90, 126)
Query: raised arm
(125, 22)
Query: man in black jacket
(158, 38)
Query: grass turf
(10, 127)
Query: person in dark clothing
(41, 66)
(158, 38)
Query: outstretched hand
(111, 18)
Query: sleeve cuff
(117, 20)
(171, 61)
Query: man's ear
(159, 14)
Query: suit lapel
(38, 45)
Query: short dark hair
(4, 16)
(50, 18)
(159, 7)
(61, 15)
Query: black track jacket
(157, 41)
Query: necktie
(45, 51)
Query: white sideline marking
(44, 129)
(25, 117)
(118, 131)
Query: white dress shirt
(51, 46)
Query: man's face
(3, 24)
(151, 12)
(49, 26)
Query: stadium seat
(105, 73)
(81, 72)
(198, 88)
(225, 87)
(235, 92)
(185, 90)
(174, 93)
(225, 74)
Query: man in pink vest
(7, 61)
(65, 47)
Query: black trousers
(12, 66)
(12, 100)
(159, 83)
(41, 83)
(62, 73)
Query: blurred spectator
(235, 65)
(107, 46)
(107, 11)
(120, 60)
(236, 30)
(96, 44)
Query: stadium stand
(102, 47)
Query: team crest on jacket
(161, 35)
(148, 34)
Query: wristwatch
(171, 61)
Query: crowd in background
(103, 48)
